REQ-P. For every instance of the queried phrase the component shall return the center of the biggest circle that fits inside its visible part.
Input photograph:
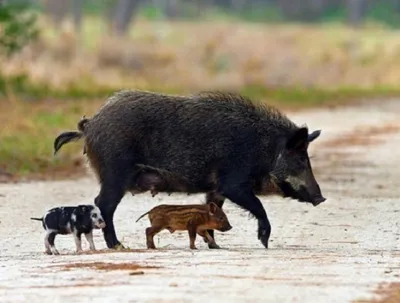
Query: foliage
(17, 27)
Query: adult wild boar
(222, 144)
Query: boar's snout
(307, 192)
(313, 196)
(318, 200)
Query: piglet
(78, 220)
(195, 218)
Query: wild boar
(222, 144)
(196, 219)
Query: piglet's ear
(299, 140)
(82, 208)
(213, 208)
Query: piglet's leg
(210, 240)
(192, 235)
(78, 242)
(47, 244)
(51, 237)
(150, 233)
(219, 200)
(89, 238)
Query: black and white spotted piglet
(78, 220)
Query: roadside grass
(213, 55)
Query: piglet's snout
(226, 227)
(100, 223)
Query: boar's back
(195, 136)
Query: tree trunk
(355, 12)
(57, 10)
(124, 14)
(238, 5)
(171, 9)
(77, 14)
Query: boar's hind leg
(242, 195)
(219, 201)
(111, 192)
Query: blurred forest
(204, 44)
(60, 59)
(120, 13)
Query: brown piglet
(195, 218)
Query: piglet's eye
(94, 215)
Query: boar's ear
(299, 140)
(314, 135)
(213, 208)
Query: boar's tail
(142, 216)
(66, 137)
(37, 219)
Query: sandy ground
(339, 251)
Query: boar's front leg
(111, 192)
(219, 201)
(241, 193)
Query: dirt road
(339, 251)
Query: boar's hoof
(263, 237)
(213, 246)
(119, 246)
(150, 245)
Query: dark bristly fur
(221, 144)
(196, 219)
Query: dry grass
(29, 132)
(212, 55)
